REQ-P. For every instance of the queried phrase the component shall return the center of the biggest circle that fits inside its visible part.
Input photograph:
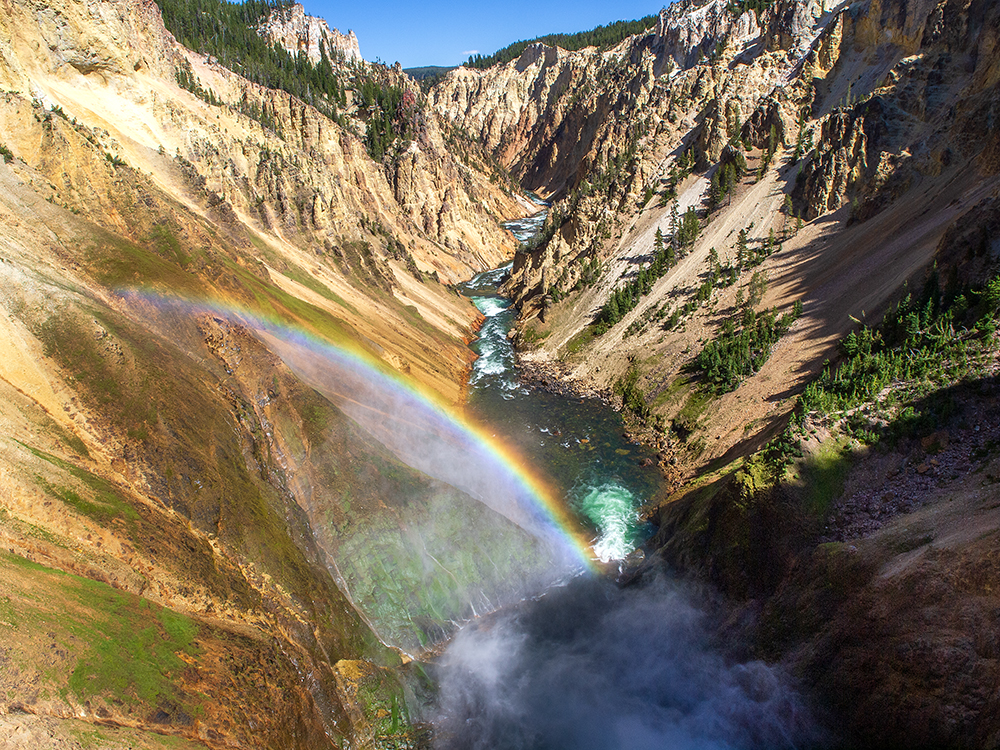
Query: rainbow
(412, 423)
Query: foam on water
(611, 508)
(490, 306)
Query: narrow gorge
(634, 395)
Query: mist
(591, 666)
(423, 436)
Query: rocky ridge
(296, 31)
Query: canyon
(210, 286)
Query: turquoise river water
(578, 443)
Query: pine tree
(741, 248)
(757, 288)
(801, 140)
(734, 127)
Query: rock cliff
(291, 28)
(823, 109)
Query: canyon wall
(833, 160)
(180, 513)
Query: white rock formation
(297, 32)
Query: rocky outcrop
(602, 131)
(875, 143)
(686, 34)
(792, 25)
(85, 38)
(851, 143)
(293, 30)
(770, 117)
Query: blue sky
(444, 32)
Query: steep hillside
(842, 155)
(204, 545)
(180, 513)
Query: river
(579, 443)
(587, 664)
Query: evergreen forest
(603, 37)
(229, 33)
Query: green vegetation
(925, 342)
(580, 341)
(589, 272)
(531, 336)
(228, 32)
(739, 7)
(718, 276)
(603, 37)
(768, 152)
(118, 263)
(391, 112)
(428, 75)
(804, 141)
(680, 169)
(187, 80)
(167, 245)
(633, 398)
(6, 153)
(134, 651)
(686, 421)
(724, 180)
(130, 650)
(409, 582)
(665, 256)
(132, 401)
(824, 473)
(104, 504)
(736, 354)
(428, 71)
